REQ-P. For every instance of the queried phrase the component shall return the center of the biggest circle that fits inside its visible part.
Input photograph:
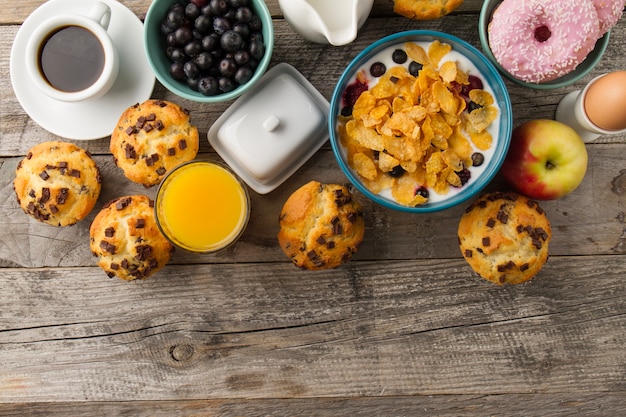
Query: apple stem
(550, 165)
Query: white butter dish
(273, 129)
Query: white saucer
(90, 119)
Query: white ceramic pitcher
(334, 22)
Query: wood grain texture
(599, 404)
(372, 329)
(405, 329)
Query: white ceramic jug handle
(100, 13)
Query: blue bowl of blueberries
(420, 121)
(208, 50)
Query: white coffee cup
(71, 57)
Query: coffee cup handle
(100, 13)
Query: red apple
(546, 159)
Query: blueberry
(217, 54)
(210, 42)
(471, 106)
(208, 86)
(231, 41)
(464, 175)
(399, 56)
(191, 70)
(253, 63)
(477, 159)
(204, 60)
(182, 35)
(170, 39)
(423, 191)
(166, 29)
(241, 57)
(177, 7)
(192, 83)
(230, 15)
(221, 25)
(242, 29)
(176, 55)
(256, 48)
(228, 67)
(255, 23)
(193, 48)
(203, 24)
(243, 75)
(219, 7)
(176, 71)
(226, 85)
(414, 68)
(192, 11)
(197, 35)
(243, 14)
(254, 36)
(175, 18)
(206, 10)
(378, 69)
(397, 171)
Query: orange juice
(202, 207)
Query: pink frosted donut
(609, 12)
(540, 40)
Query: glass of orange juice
(201, 206)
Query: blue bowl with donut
(517, 44)
(400, 115)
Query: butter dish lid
(273, 129)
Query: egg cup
(571, 111)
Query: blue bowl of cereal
(420, 121)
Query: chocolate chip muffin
(57, 183)
(504, 237)
(321, 226)
(126, 238)
(425, 9)
(151, 138)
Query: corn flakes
(411, 132)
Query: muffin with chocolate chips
(57, 183)
(504, 237)
(151, 138)
(125, 237)
(321, 226)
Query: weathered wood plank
(390, 328)
(581, 226)
(596, 404)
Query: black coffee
(71, 59)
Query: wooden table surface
(405, 329)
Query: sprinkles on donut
(540, 40)
(609, 12)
